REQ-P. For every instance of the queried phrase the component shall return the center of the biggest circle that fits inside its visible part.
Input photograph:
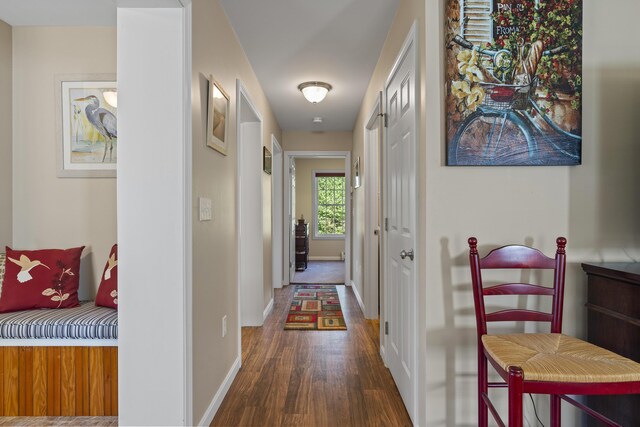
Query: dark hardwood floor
(312, 378)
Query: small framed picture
(266, 160)
(218, 117)
(356, 173)
(87, 134)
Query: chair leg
(483, 387)
(516, 387)
(554, 408)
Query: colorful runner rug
(315, 307)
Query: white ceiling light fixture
(314, 92)
(317, 120)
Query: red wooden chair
(539, 363)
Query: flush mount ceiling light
(314, 92)
(317, 120)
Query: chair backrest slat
(519, 316)
(518, 257)
(518, 289)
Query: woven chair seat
(559, 358)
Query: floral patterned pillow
(47, 278)
(108, 291)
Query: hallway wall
(595, 205)
(49, 211)
(316, 141)
(6, 116)
(216, 51)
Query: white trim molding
(358, 297)
(346, 155)
(325, 258)
(207, 418)
(268, 309)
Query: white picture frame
(217, 117)
(86, 122)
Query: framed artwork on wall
(86, 118)
(513, 82)
(217, 117)
(356, 173)
(266, 160)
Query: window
(329, 204)
(476, 21)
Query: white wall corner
(207, 418)
(267, 310)
(358, 297)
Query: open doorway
(318, 219)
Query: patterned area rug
(315, 307)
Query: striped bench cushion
(84, 322)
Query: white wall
(50, 211)
(5, 135)
(154, 378)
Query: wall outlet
(224, 326)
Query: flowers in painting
(468, 93)
(468, 65)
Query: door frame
(288, 155)
(277, 211)
(372, 242)
(410, 40)
(243, 98)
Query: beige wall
(50, 211)
(319, 248)
(5, 135)
(216, 51)
(316, 141)
(596, 205)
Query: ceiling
(287, 42)
(292, 41)
(58, 12)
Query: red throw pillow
(46, 278)
(108, 291)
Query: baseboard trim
(383, 354)
(358, 297)
(207, 418)
(268, 310)
(325, 258)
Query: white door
(292, 219)
(401, 150)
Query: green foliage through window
(331, 214)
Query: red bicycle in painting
(509, 127)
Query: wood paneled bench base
(58, 381)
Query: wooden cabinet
(613, 322)
(302, 246)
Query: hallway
(312, 378)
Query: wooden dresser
(302, 245)
(613, 322)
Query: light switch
(205, 209)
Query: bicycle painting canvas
(514, 82)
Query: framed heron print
(514, 82)
(218, 117)
(87, 125)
